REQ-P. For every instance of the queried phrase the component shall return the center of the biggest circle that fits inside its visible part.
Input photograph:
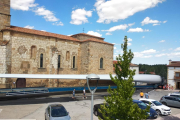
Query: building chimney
(170, 61)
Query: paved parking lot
(80, 109)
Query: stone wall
(4, 15)
(23, 62)
(85, 57)
(5, 6)
(97, 51)
(85, 37)
(2, 63)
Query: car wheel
(164, 103)
(158, 112)
(95, 113)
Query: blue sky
(152, 26)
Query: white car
(157, 106)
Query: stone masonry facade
(27, 51)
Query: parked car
(170, 101)
(56, 112)
(157, 106)
(95, 110)
(175, 94)
(142, 105)
(152, 113)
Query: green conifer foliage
(120, 103)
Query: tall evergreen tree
(120, 103)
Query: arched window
(101, 62)
(59, 61)
(74, 62)
(41, 61)
(67, 55)
(33, 52)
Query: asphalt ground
(79, 109)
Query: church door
(21, 83)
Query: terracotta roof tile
(141, 72)
(48, 34)
(174, 64)
(97, 40)
(3, 43)
(153, 73)
(87, 35)
(131, 65)
(42, 33)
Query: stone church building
(28, 51)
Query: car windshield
(156, 103)
(58, 111)
(142, 105)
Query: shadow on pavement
(36, 101)
(169, 118)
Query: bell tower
(5, 16)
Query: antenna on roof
(83, 30)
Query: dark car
(56, 112)
(152, 113)
(96, 112)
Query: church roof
(38, 32)
(48, 34)
(97, 40)
(87, 35)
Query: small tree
(120, 103)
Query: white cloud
(94, 33)
(170, 49)
(129, 44)
(160, 55)
(177, 49)
(43, 30)
(155, 24)
(175, 54)
(141, 55)
(142, 45)
(114, 43)
(58, 23)
(162, 41)
(115, 48)
(150, 51)
(118, 27)
(147, 20)
(79, 16)
(114, 10)
(131, 24)
(24, 5)
(143, 36)
(108, 33)
(137, 54)
(29, 27)
(164, 21)
(138, 30)
(148, 56)
(47, 14)
(129, 39)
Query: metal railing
(25, 91)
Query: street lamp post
(92, 77)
